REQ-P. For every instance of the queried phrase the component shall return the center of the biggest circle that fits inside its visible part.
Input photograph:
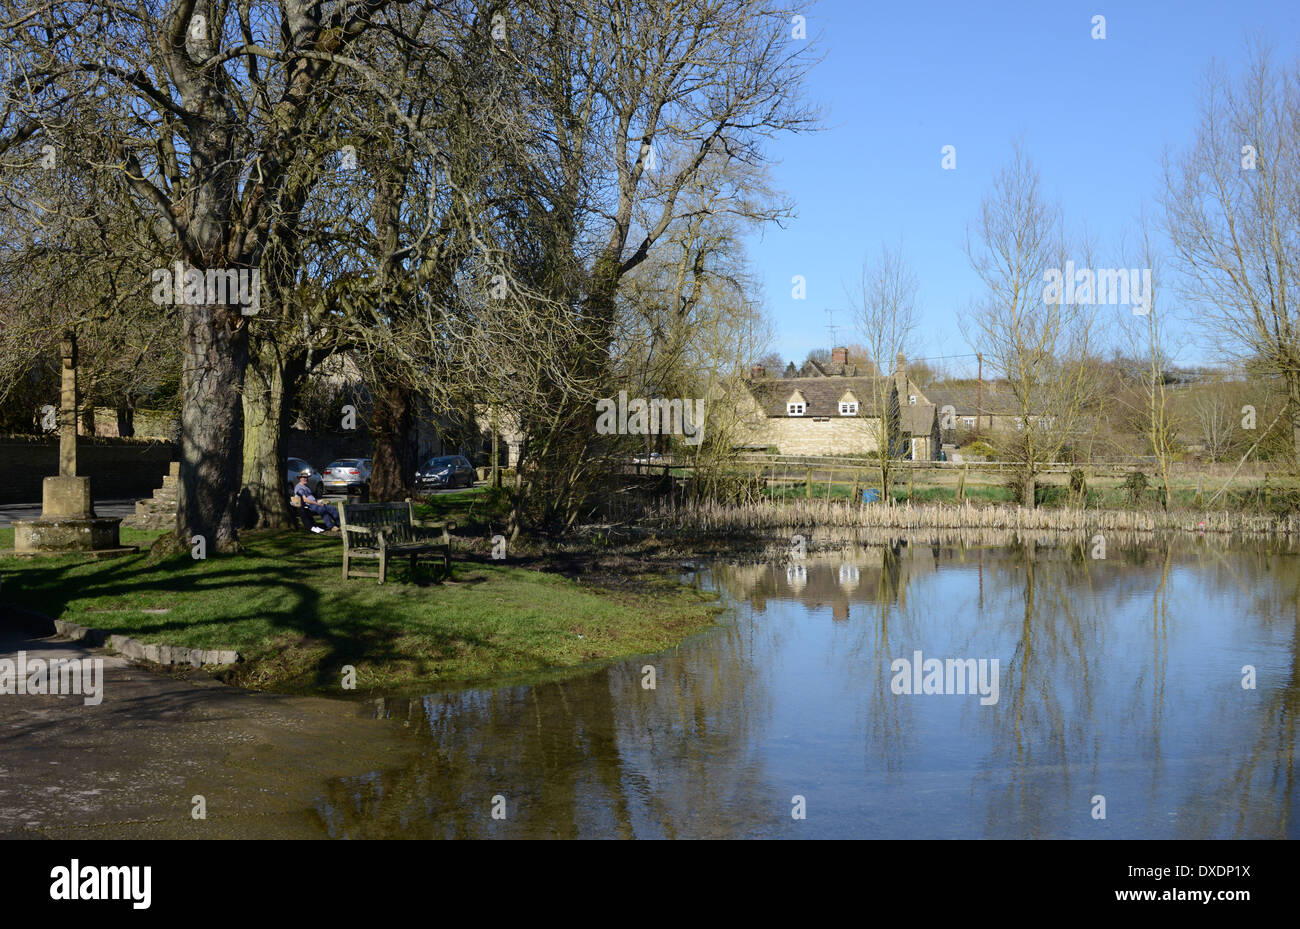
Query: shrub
(1135, 485)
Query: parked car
(445, 471)
(348, 476)
(296, 467)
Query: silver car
(314, 482)
(348, 476)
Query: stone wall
(807, 435)
(118, 469)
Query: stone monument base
(66, 535)
(68, 523)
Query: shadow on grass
(333, 621)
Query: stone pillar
(68, 408)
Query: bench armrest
(360, 530)
(425, 523)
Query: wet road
(131, 766)
(11, 511)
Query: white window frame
(848, 408)
(911, 399)
(796, 409)
(968, 422)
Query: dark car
(445, 471)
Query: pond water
(1122, 709)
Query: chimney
(757, 372)
(839, 356)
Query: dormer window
(848, 408)
(795, 409)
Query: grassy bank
(283, 605)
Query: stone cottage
(833, 408)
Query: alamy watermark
(639, 416)
(57, 676)
(946, 676)
(103, 882)
(1094, 286)
(191, 287)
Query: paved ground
(11, 511)
(130, 766)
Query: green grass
(470, 508)
(1283, 496)
(921, 493)
(284, 606)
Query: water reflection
(1120, 678)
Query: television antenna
(830, 325)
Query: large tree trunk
(1292, 379)
(215, 355)
(393, 455)
(1028, 489)
(270, 385)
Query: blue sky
(901, 80)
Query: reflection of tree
(885, 729)
(1262, 789)
(595, 754)
(1047, 728)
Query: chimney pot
(758, 371)
(840, 356)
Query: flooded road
(1120, 711)
(1150, 694)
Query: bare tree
(1039, 341)
(1232, 210)
(199, 107)
(884, 307)
(1158, 418)
(1216, 422)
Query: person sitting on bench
(325, 512)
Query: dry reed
(767, 517)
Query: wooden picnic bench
(386, 530)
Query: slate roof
(813, 368)
(917, 418)
(822, 396)
(964, 395)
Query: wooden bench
(386, 530)
(300, 512)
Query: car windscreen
(439, 463)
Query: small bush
(1135, 485)
(1050, 495)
